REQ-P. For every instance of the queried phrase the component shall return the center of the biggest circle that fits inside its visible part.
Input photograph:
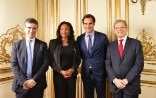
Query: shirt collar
(124, 38)
(30, 39)
(92, 34)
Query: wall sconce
(143, 4)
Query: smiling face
(120, 29)
(88, 25)
(64, 31)
(30, 30)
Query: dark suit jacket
(129, 67)
(97, 57)
(19, 64)
(54, 51)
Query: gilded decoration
(6, 41)
(143, 4)
(148, 44)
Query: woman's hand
(67, 73)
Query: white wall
(14, 12)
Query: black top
(66, 57)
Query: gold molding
(117, 9)
(149, 70)
(83, 11)
(36, 14)
(6, 78)
(109, 22)
(148, 82)
(5, 69)
(83, 7)
(52, 17)
(148, 74)
(57, 13)
(127, 13)
(76, 17)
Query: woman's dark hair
(71, 38)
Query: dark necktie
(120, 48)
(29, 60)
(89, 44)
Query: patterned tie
(29, 60)
(89, 44)
(120, 48)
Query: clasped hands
(28, 84)
(120, 83)
(67, 73)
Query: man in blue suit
(93, 46)
(124, 63)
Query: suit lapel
(126, 47)
(24, 54)
(83, 44)
(116, 50)
(36, 48)
(96, 40)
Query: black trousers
(30, 94)
(64, 88)
(120, 94)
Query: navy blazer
(97, 57)
(129, 67)
(19, 64)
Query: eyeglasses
(116, 28)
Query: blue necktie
(29, 60)
(89, 44)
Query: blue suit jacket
(97, 57)
(129, 67)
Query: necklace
(65, 44)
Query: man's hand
(124, 81)
(118, 83)
(29, 84)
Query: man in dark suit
(29, 69)
(124, 63)
(93, 46)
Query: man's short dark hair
(88, 16)
(31, 20)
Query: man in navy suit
(93, 46)
(30, 85)
(124, 68)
